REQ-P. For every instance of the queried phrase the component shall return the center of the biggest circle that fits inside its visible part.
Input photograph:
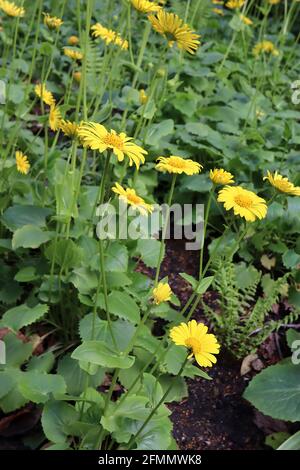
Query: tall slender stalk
(166, 223)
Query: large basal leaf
(149, 251)
(90, 328)
(65, 253)
(84, 280)
(13, 399)
(75, 377)
(6, 382)
(18, 317)
(17, 216)
(17, 352)
(121, 305)
(276, 391)
(38, 387)
(98, 353)
(56, 417)
(29, 236)
(116, 258)
(293, 443)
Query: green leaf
(13, 400)
(292, 336)
(37, 386)
(276, 391)
(17, 352)
(293, 443)
(17, 216)
(156, 435)
(152, 389)
(97, 352)
(122, 331)
(56, 417)
(26, 274)
(75, 377)
(190, 279)
(204, 284)
(276, 439)
(149, 250)
(290, 259)
(84, 280)
(18, 317)
(42, 363)
(179, 388)
(7, 383)
(197, 183)
(16, 93)
(157, 131)
(121, 305)
(65, 253)
(29, 236)
(116, 258)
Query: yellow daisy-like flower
(246, 20)
(274, 2)
(282, 184)
(54, 118)
(108, 36)
(218, 11)
(220, 176)
(174, 30)
(96, 137)
(22, 162)
(232, 4)
(73, 40)
(73, 54)
(194, 336)
(145, 6)
(99, 31)
(162, 293)
(42, 92)
(77, 76)
(52, 22)
(265, 46)
(143, 97)
(217, 2)
(130, 197)
(122, 43)
(243, 202)
(69, 128)
(178, 165)
(11, 9)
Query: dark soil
(215, 416)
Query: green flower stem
(199, 296)
(102, 269)
(129, 32)
(166, 223)
(36, 37)
(101, 253)
(107, 400)
(204, 231)
(142, 52)
(138, 328)
(195, 12)
(230, 46)
(161, 401)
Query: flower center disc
(243, 200)
(133, 198)
(113, 140)
(193, 344)
(177, 163)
